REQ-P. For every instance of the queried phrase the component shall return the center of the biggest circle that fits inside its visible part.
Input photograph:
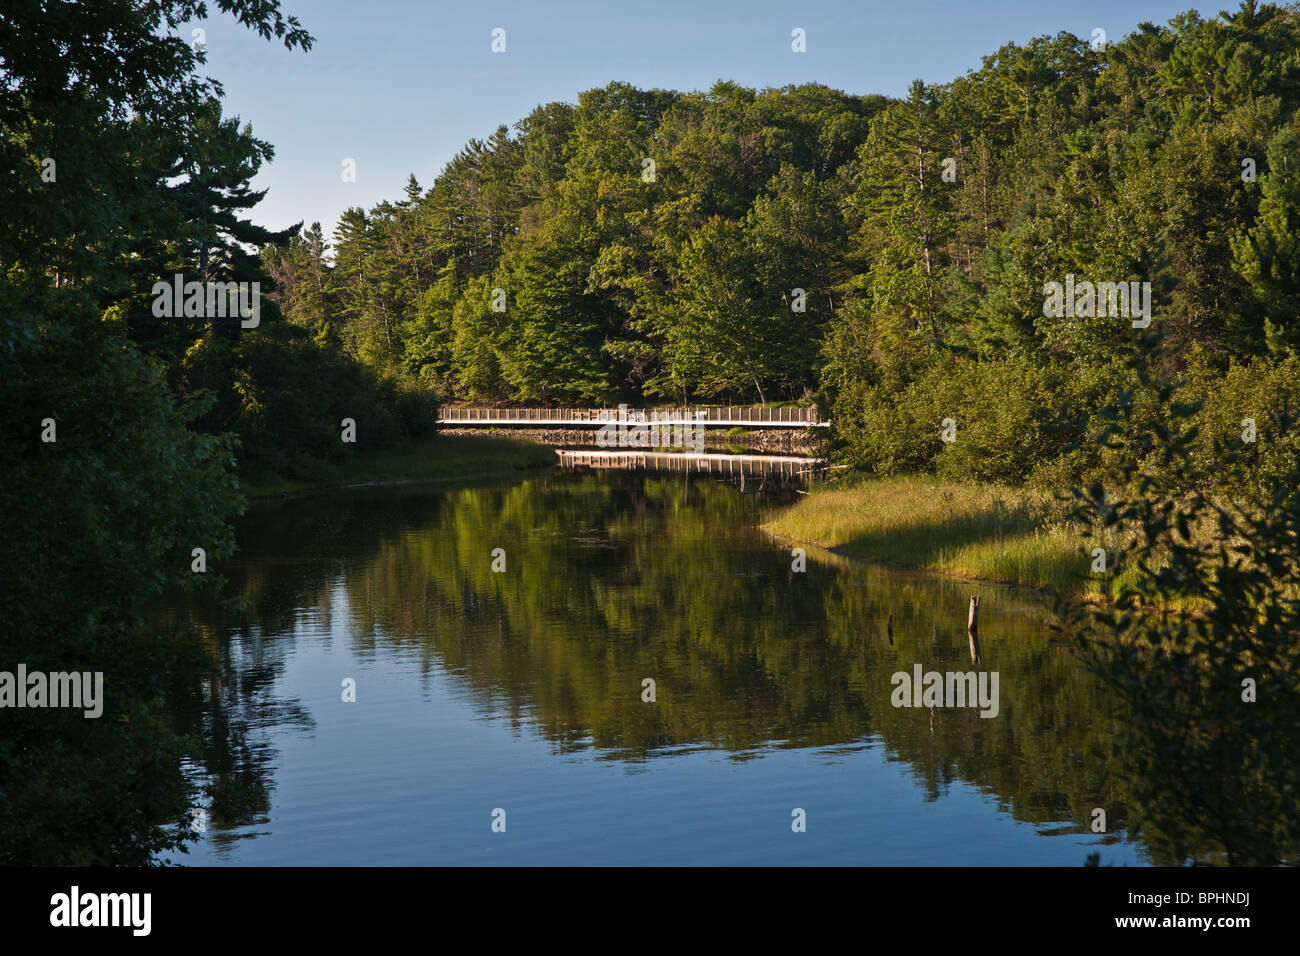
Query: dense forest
(887, 258)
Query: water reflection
(611, 579)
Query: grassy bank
(992, 533)
(436, 459)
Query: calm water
(522, 691)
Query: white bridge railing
(717, 416)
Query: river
(503, 716)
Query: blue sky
(400, 85)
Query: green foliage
(105, 517)
(649, 244)
(1268, 255)
(474, 349)
(285, 395)
(1212, 702)
(621, 280)
(95, 522)
(1074, 170)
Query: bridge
(708, 416)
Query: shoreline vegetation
(442, 458)
(987, 534)
(984, 533)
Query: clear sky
(400, 85)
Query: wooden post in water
(973, 620)
(890, 628)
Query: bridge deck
(722, 416)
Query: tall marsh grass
(1013, 535)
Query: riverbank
(442, 458)
(988, 533)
